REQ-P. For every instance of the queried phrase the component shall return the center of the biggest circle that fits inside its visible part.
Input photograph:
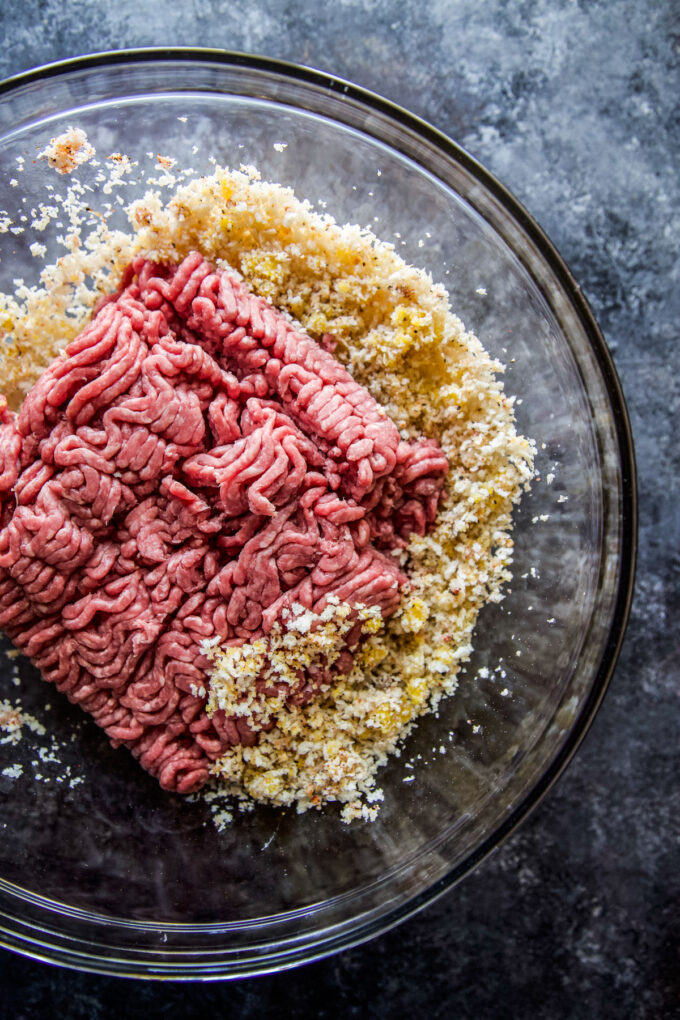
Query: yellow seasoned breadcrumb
(302, 639)
(396, 333)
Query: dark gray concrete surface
(574, 105)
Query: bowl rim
(28, 944)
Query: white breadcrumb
(48, 766)
(393, 328)
(12, 722)
(68, 151)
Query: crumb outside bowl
(112, 875)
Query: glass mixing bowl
(112, 874)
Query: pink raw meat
(193, 466)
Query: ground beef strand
(192, 467)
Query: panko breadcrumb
(68, 151)
(393, 328)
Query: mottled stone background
(574, 105)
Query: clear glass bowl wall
(116, 875)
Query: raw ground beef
(193, 466)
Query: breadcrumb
(68, 151)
